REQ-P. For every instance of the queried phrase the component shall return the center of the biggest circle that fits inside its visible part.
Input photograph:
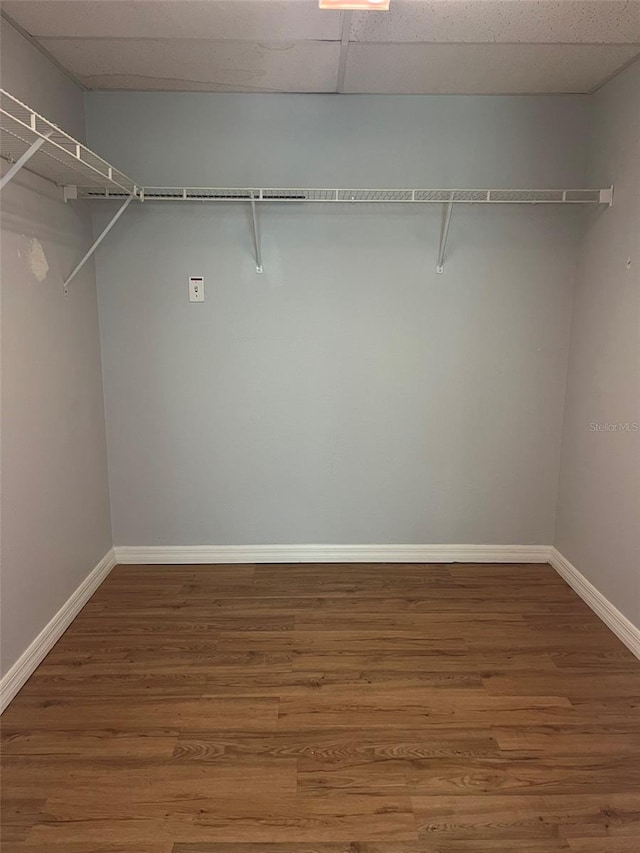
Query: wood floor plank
(496, 818)
(233, 713)
(605, 845)
(416, 661)
(85, 745)
(237, 818)
(464, 708)
(89, 783)
(621, 740)
(310, 847)
(324, 747)
(84, 847)
(576, 685)
(125, 625)
(614, 657)
(367, 641)
(19, 812)
(298, 605)
(265, 680)
(479, 774)
(422, 623)
(327, 709)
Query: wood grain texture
(327, 709)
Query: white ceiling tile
(248, 20)
(199, 65)
(533, 21)
(481, 68)
(474, 46)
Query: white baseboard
(601, 606)
(11, 683)
(51, 633)
(174, 555)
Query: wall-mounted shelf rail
(30, 141)
(446, 197)
(362, 196)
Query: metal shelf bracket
(447, 209)
(28, 140)
(606, 196)
(97, 242)
(256, 235)
(22, 161)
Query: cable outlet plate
(196, 288)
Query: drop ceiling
(418, 47)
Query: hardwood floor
(327, 709)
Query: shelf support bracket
(444, 233)
(256, 235)
(606, 196)
(97, 242)
(22, 161)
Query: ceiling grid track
(412, 47)
(49, 56)
(344, 51)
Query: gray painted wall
(348, 395)
(30, 77)
(55, 506)
(598, 527)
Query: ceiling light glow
(356, 5)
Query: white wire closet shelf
(30, 141)
(369, 196)
(58, 157)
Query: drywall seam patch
(37, 260)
